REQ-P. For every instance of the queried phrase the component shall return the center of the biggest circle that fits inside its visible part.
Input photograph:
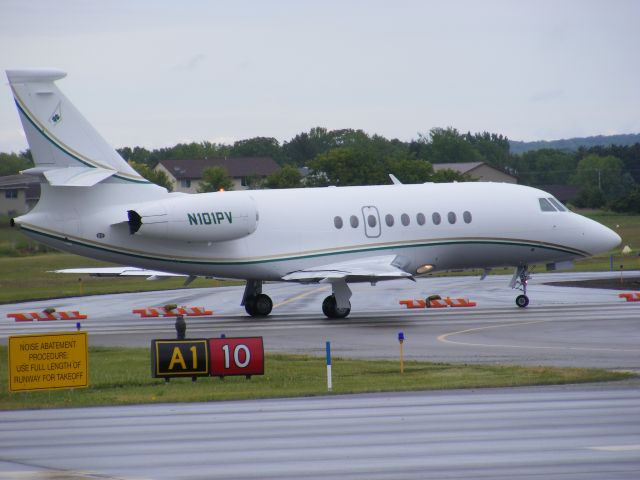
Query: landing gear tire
(263, 305)
(259, 305)
(250, 306)
(331, 310)
(522, 301)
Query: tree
(409, 170)
(445, 145)
(604, 174)
(11, 163)
(346, 166)
(628, 204)
(257, 147)
(214, 179)
(139, 155)
(287, 177)
(544, 167)
(493, 148)
(154, 176)
(590, 197)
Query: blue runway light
(401, 337)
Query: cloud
(547, 95)
(192, 64)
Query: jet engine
(214, 217)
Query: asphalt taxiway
(563, 326)
(552, 432)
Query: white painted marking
(617, 448)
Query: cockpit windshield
(545, 206)
(557, 204)
(550, 204)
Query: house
(18, 194)
(187, 174)
(478, 171)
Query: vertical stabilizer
(66, 149)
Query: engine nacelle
(213, 217)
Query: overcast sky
(155, 72)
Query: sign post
(401, 340)
(49, 361)
(329, 379)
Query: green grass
(628, 227)
(29, 278)
(13, 243)
(122, 376)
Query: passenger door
(371, 220)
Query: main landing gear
(331, 310)
(337, 305)
(520, 279)
(256, 303)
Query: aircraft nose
(604, 239)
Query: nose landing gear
(520, 279)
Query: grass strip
(119, 376)
(30, 278)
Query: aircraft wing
(370, 269)
(119, 272)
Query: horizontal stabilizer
(362, 270)
(72, 176)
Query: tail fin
(66, 149)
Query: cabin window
(557, 204)
(404, 218)
(354, 221)
(436, 218)
(545, 206)
(389, 220)
(451, 217)
(420, 219)
(371, 220)
(11, 194)
(466, 216)
(337, 221)
(185, 183)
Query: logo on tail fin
(56, 116)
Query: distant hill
(573, 144)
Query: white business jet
(94, 204)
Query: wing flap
(361, 270)
(118, 272)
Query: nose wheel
(520, 279)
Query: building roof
(18, 181)
(235, 166)
(469, 167)
(458, 167)
(29, 183)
